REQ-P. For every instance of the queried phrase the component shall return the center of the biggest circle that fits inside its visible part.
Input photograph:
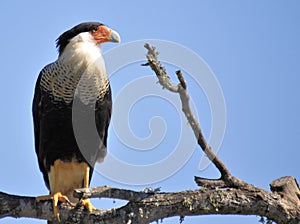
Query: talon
(88, 205)
(59, 197)
(56, 197)
(69, 202)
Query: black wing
(103, 109)
(36, 112)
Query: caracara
(72, 95)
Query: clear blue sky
(251, 46)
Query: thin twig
(109, 192)
(164, 80)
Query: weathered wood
(288, 188)
(109, 192)
(156, 206)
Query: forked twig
(226, 179)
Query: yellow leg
(56, 196)
(86, 179)
(86, 182)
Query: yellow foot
(56, 197)
(86, 203)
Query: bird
(72, 97)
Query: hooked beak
(114, 37)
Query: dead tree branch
(108, 192)
(226, 179)
(147, 207)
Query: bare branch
(164, 80)
(148, 207)
(288, 188)
(290, 192)
(108, 192)
(210, 183)
(159, 70)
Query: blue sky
(252, 47)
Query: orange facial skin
(102, 34)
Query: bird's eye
(95, 30)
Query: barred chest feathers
(79, 71)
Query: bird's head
(90, 31)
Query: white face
(85, 37)
(81, 48)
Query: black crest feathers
(64, 39)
